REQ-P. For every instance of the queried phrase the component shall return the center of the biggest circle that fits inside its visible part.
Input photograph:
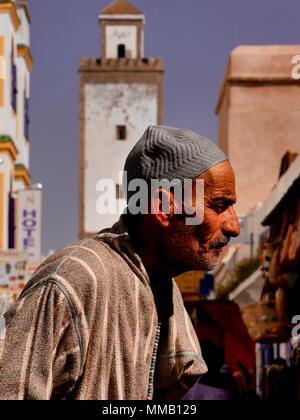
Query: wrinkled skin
(199, 247)
(167, 244)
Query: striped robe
(91, 326)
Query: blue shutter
(26, 116)
(11, 221)
(14, 90)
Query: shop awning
(279, 192)
(249, 291)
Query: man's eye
(220, 208)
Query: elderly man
(103, 318)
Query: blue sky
(194, 37)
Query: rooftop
(121, 7)
(259, 64)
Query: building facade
(259, 117)
(16, 63)
(120, 95)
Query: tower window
(121, 51)
(121, 132)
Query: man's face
(198, 247)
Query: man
(103, 318)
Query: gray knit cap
(171, 153)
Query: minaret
(120, 95)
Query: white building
(16, 64)
(120, 95)
(19, 227)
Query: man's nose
(231, 225)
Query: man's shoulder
(78, 265)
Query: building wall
(7, 116)
(107, 106)
(266, 122)
(12, 123)
(14, 34)
(23, 38)
(224, 125)
(259, 118)
(22, 143)
(7, 122)
(2, 70)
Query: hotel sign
(29, 230)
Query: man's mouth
(219, 243)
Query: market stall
(270, 321)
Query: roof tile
(121, 7)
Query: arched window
(121, 51)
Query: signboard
(13, 274)
(29, 225)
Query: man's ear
(162, 206)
